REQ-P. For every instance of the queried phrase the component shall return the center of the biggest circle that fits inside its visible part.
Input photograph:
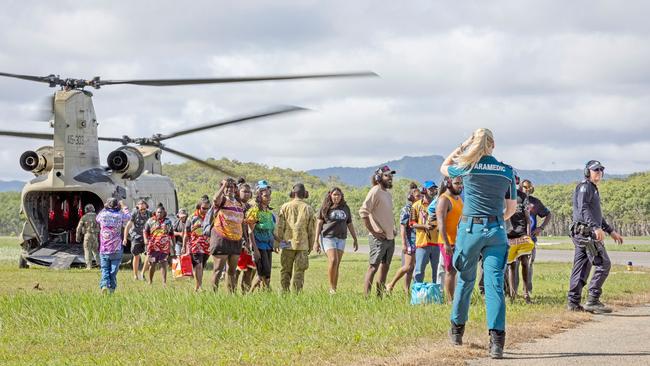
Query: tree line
(626, 202)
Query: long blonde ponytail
(481, 145)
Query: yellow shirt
(420, 216)
(297, 224)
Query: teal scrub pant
(472, 241)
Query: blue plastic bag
(425, 293)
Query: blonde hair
(481, 145)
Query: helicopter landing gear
(22, 262)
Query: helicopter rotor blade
(226, 80)
(269, 113)
(28, 135)
(197, 160)
(43, 79)
(122, 140)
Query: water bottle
(629, 266)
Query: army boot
(497, 342)
(593, 305)
(456, 334)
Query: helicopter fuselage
(71, 177)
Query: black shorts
(199, 258)
(158, 257)
(222, 246)
(264, 263)
(137, 248)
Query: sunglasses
(204, 208)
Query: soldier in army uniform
(88, 229)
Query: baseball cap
(385, 169)
(262, 184)
(112, 202)
(428, 184)
(594, 165)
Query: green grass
(69, 322)
(630, 244)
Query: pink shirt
(111, 223)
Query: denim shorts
(333, 243)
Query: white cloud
(557, 87)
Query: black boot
(575, 307)
(497, 342)
(593, 305)
(456, 334)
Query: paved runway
(549, 255)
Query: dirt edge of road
(536, 326)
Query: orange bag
(176, 268)
(182, 266)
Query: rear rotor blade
(225, 80)
(28, 135)
(197, 160)
(271, 112)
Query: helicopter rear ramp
(51, 252)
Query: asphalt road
(547, 255)
(619, 338)
(637, 258)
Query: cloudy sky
(558, 82)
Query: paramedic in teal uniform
(490, 200)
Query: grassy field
(67, 321)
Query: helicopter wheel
(22, 262)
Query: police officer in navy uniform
(489, 200)
(588, 232)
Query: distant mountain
(421, 168)
(11, 186)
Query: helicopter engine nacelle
(127, 161)
(38, 162)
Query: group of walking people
(237, 228)
(481, 214)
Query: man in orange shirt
(448, 212)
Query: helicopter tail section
(53, 217)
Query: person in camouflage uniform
(88, 229)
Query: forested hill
(193, 181)
(625, 203)
(421, 168)
(11, 186)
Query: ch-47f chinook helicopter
(69, 174)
